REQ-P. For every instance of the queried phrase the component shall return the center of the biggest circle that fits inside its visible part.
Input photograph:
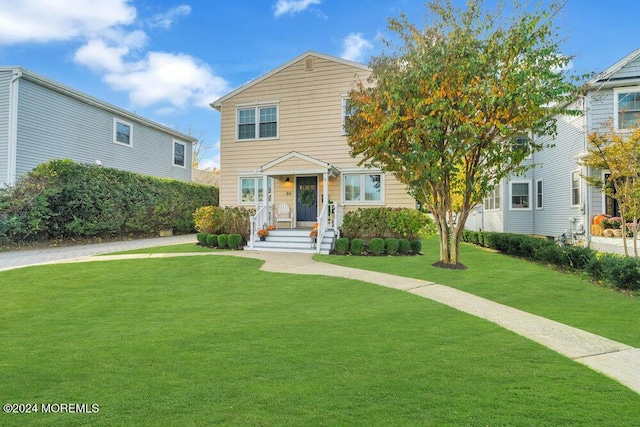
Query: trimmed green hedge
(61, 199)
(613, 270)
(369, 223)
(377, 246)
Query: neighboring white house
(552, 197)
(42, 120)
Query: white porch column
(325, 188)
(265, 197)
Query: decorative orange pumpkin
(599, 218)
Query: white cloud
(165, 20)
(292, 7)
(58, 20)
(165, 78)
(355, 47)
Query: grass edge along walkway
(616, 360)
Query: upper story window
(522, 143)
(179, 153)
(258, 122)
(362, 188)
(492, 201)
(539, 199)
(626, 107)
(122, 132)
(347, 110)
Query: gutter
(12, 145)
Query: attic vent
(308, 64)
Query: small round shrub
(234, 241)
(222, 240)
(202, 238)
(404, 246)
(376, 246)
(416, 246)
(357, 246)
(212, 240)
(392, 245)
(342, 246)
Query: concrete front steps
(297, 240)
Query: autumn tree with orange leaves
(442, 110)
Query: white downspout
(12, 145)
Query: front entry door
(307, 199)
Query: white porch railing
(327, 219)
(258, 221)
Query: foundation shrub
(416, 246)
(342, 246)
(357, 246)
(222, 240)
(368, 223)
(404, 246)
(391, 245)
(227, 220)
(212, 240)
(202, 238)
(376, 246)
(234, 241)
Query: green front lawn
(566, 298)
(213, 340)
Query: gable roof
(40, 80)
(324, 166)
(608, 74)
(218, 103)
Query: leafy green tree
(442, 110)
(619, 152)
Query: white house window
(520, 195)
(252, 190)
(627, 107)
(347, 110)
(362, 188)
(522, 143)
(575, 188)
(122, 132)
(179, 153)
(492, 201)
(258, 122)
(539, 194)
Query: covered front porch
(298, 191)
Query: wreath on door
(307, 198)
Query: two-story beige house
(282, 135)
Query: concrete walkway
(616, 360)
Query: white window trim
(571, 188)
(257, 107)
(511, 208)
(173, 160)
(498, 187)
(616, 91)
(115, 131)
(529, 135)
(541, 207)
(345, 98)
(362, 173)
(258, 186)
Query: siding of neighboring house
(554, 166)
(309, 122)
(55, 122)
(5, 78)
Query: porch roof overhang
(309, 165)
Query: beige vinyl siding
(309, 122)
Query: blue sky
(167, 60)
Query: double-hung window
(257, 122)
(492, 201)
(362, 188)
(539, 204)
(520, 193)
(575, 188)
(626, 107)
(252, 190)
(347, 110)
(179, 153)
(122, 132)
